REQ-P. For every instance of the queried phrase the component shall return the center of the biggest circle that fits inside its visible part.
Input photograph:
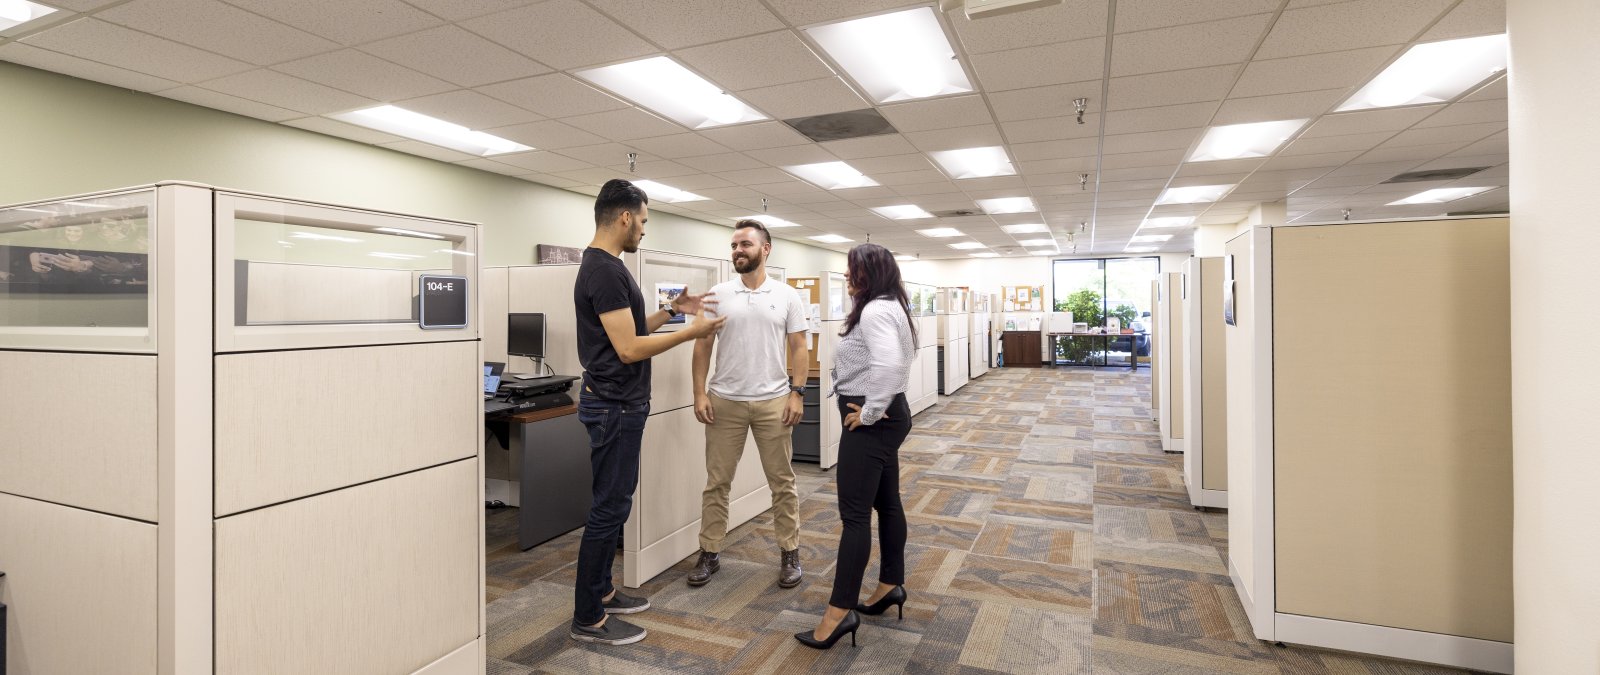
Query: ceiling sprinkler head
(1083, 105)
(633, 160)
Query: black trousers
(868, 477)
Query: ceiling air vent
(957, 213)
(1436, 174)
(840, 126)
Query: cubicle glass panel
(296, 274)
(663, 276)
(777, 274)
(76, 274)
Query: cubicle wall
(923, 391)
(1205, 388)
(1170, 385)
(226, 477)
(955, 338)
(1155, 352)
(1379, 498)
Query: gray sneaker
(614, 632)
(625, 604)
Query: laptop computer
(491, 378)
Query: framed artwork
(550, 254)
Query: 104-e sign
(443, 302)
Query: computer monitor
(525, 335)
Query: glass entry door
(1105, 296)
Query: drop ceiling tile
(755, 136)
(1191, 46)
(1493, 145)
(1171, 88)
(1416, 154)
(1467, 112)
(1035, 27)
(1300, 105)
(220, 28)
(679, 145)
(855, 194)
(892, 164)
(1383, 171)
(1148, 14)
(659, 169)
(681, 23)
(756, 61)
(562, 34)
(1058, 63)
(1042, 102)
(698, 181)
(461, 10)
(1491, 91)
(554, 95)
(1336, 70)
(939, 113)
(1051, 129)
(1072, 165)
(347, 22)
(789, 187)
(364, 74)
(1078, 147)
(275, 88)
(624, 125)
(233, 104)
(1234, 169)
(456, 56)
(1160, 118)
(1132, 160)
(107, 43)
(882, 145)
(1470, 19)
(323, 125)
(607, 154)
(908, 177)
(807, 12)
(80, 5)
(1348, 25)
(1343, 143)
(428, 150)
(755, 176)
(493, 166)
(44, 59)
(792, 155)
(1496, 162)
(547, 135)
(802, 99)
(817, 198)
(469, 109)
(1150, 141)
(590, 177)
(980, 135)
(736, 191)
(1461, 134)
(942, 187)
(731, 161)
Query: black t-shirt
(604, 285)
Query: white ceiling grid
(1157, 73)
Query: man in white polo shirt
(759, 387)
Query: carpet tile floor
(1048, 533)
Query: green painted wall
(66, 136)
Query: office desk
(554, 475)
(1105, 348)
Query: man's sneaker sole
(628, 610)
(583, 637)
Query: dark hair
(875, 274)
(751, 223)
(616, 196)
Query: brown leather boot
(789, 575)
(707, 565)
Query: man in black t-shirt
(615, 343)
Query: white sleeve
(886, 361)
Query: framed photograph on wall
(550, 254)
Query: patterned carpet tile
(1018, 583)
(1154, 478)
(1047, 541)
(1043, 509)
(1143, 498)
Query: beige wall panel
(672, 472)
(1213, 378)
(80, 429)
(277, 293)
(1241, 353)
(548, 289)
(1155, 351)
(1393, 457)
(495, 295)
(79, 590)
(380, 578)
(1175, 335)
(291, 424)
(672, 378)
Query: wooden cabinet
(1023, 349)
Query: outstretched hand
(694, 304)
(852, 421)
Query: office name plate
(443, 301)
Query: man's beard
(632, 245)
(749, 264)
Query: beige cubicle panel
(296, 423)
(87, 602)
(379, 578)
(1155, 353)
(494, 295)
(80, 429)
(1172, 415)
(543, 289)
(1369, 480)
(1205, 389)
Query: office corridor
(1048, 534)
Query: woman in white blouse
(872, 367)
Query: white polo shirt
(752, 347)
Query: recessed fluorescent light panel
(1167, 221)
(1242, 141)
(772, 222)
(967, 245)
(1140, 249)
(1007, 205)
(833, 239)
(1150, 239)
(901, 212)
(666, 193)
(831, 175)
(985, 254)
(661, 84)
(407, 233)
(941, 232)
(14, 13)
(1441, 195)
(1433, 73)
(905, 258)
(984, 162)
(895, 57)
(1038, 242)
(1027, 228)
(402, 122)
(1195, 194)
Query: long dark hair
(875, 274)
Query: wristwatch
(801, 390)
(671, 313)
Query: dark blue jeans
(616, 431)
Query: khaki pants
(725, 437)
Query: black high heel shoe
(848, 624)
(896, 597)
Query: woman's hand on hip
(852, 421)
